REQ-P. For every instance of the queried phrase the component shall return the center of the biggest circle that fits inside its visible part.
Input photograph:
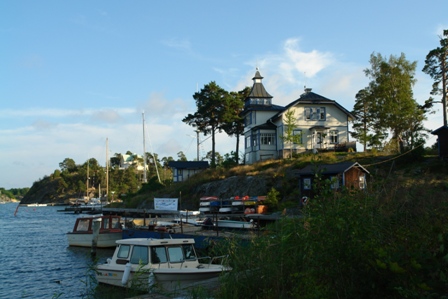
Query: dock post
(96, 231)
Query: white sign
(169, 204)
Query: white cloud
(176, 43)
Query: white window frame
(267, 138)
(334, 136)
(315, 113)
(298, 132)
(247, 141)
(362, 182)
(307, 184)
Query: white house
(132, 160)
(321, 123)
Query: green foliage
(387, 104)
(14, 192)
(233, 121)
(436, 66)
(211, 109)
(289, 134)
(272, 198)
(354, 245)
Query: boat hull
(164, 277)
(107, 240)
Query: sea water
(35, 259)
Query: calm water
(35, 260)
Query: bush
(350, 245)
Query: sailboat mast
(107, 169)
(87, 180)
(144, 150)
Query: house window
(308, 113)
(320, 113)
(334, 138)
(307, 184)
(362, 182)
(297, 136)
(315, 113)
(248, 119)
(334, 182)
(254, 140)
(247, 141)
(267, 138)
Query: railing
(212, 260)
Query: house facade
(442, 141)
(319, 124)
(182, 170)
(350, 175)
(135, 160)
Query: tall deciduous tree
(365, 125)
(289, 134)
(211, 107)
(233, 122)
(436, 66)
(392, 100)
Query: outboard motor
(208, 223)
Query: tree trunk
(213, 163)
(237, 156)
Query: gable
(311, 99)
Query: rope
(394, 158)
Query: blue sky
(74, 73)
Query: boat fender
(304, 200)
(151, 280)
(127, 272)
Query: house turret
(258, 95)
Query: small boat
(168, 263)
(235, 224)
(37, 205)
(109, 232)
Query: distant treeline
(14, 192)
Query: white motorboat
(169, 263)
(235, 224)
(82, 235)
(37, 205)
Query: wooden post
(96, 231)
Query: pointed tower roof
(258, 90)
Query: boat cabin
(161, 251)
(84, 225)
(168, 262)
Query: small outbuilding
(442, 141)
(350, 175)
(182, 170)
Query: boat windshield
(176, 254)
(83, 225)
(189, 252)
(123, 252)
(158, 255)
(105, 223)
(139, 255)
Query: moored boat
(169, 263)
(110, 231)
